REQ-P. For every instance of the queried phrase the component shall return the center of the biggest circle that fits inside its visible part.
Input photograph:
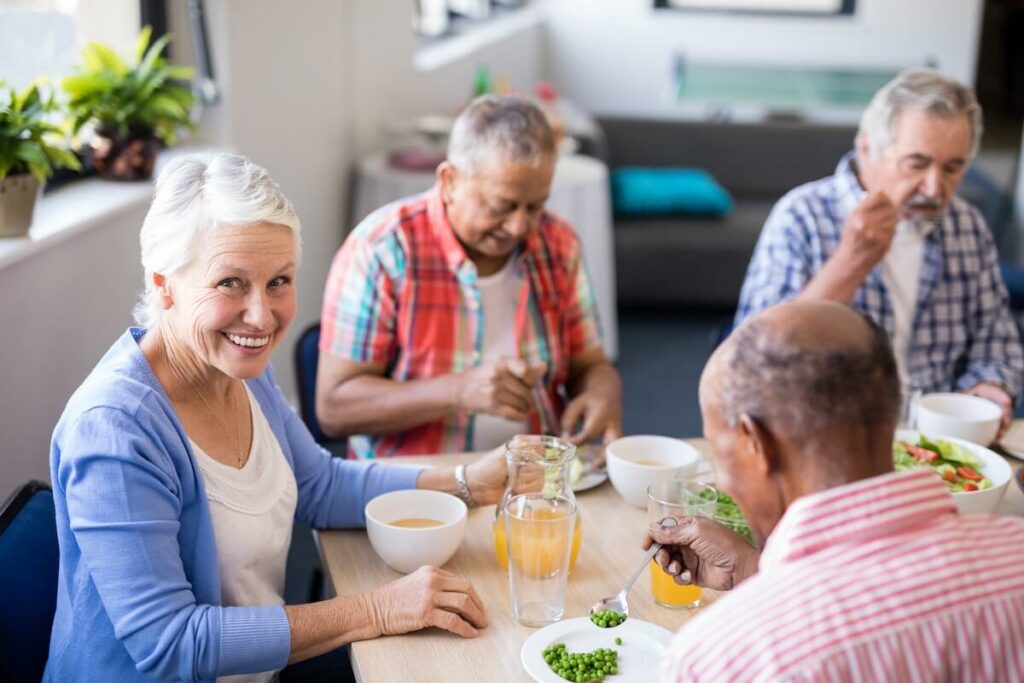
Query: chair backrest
(28, 588)
(307, 357)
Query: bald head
(804, 369)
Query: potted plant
(133, 108)
(28, 155)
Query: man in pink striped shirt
(866, 574)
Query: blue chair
(28, 590)
(307, 357)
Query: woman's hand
(428, 597)
(487, 478)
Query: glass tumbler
(540, 532)
(677, 498)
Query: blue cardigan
(139, 596)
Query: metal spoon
(617, 602)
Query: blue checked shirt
(962, 332)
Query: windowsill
(64, 213)
(471, 36)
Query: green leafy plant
(140, 98)
(27, 138)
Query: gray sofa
(679, 260)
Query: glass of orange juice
(677, 498)
(539, 530)
(501, 542)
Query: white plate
(589, 480)
(1013, 441)
(643, 647)
(1014, 451)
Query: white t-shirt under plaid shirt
(962, 330)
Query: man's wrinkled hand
(502, 387)
(701, 551)
(592, 415)
(868, 231)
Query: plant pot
(18, 195)
(124, 157)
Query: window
(42, 37)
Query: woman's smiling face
(232, 305)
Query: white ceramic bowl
(636, 462)
(960, 416)
(407, 549)
(995, 468)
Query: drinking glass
(677, 498)
(539, 530)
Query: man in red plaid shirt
(458, 318)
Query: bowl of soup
(636, 462)
(414, 527)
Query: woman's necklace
(236, 442)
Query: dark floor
(661, 355)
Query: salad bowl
(986, 462)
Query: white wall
(285, 74)
(60, 308)
(615, 56)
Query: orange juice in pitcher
(554, 456)
(547, 547)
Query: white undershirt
(901, 273)
(499, 296)
(252, 511)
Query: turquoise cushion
(661, 191)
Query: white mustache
(922, 201)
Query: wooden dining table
(610, 551)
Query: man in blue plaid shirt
(888, 235)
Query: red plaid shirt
(402, 292)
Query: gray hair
(926, 91)
(194, 195)
(806, 391)
(510, 128)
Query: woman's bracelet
(462, 487)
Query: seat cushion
(668, 191)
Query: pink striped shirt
(878, 580)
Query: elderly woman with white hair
(178, 467)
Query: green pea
(618, 641)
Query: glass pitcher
(555, 456)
